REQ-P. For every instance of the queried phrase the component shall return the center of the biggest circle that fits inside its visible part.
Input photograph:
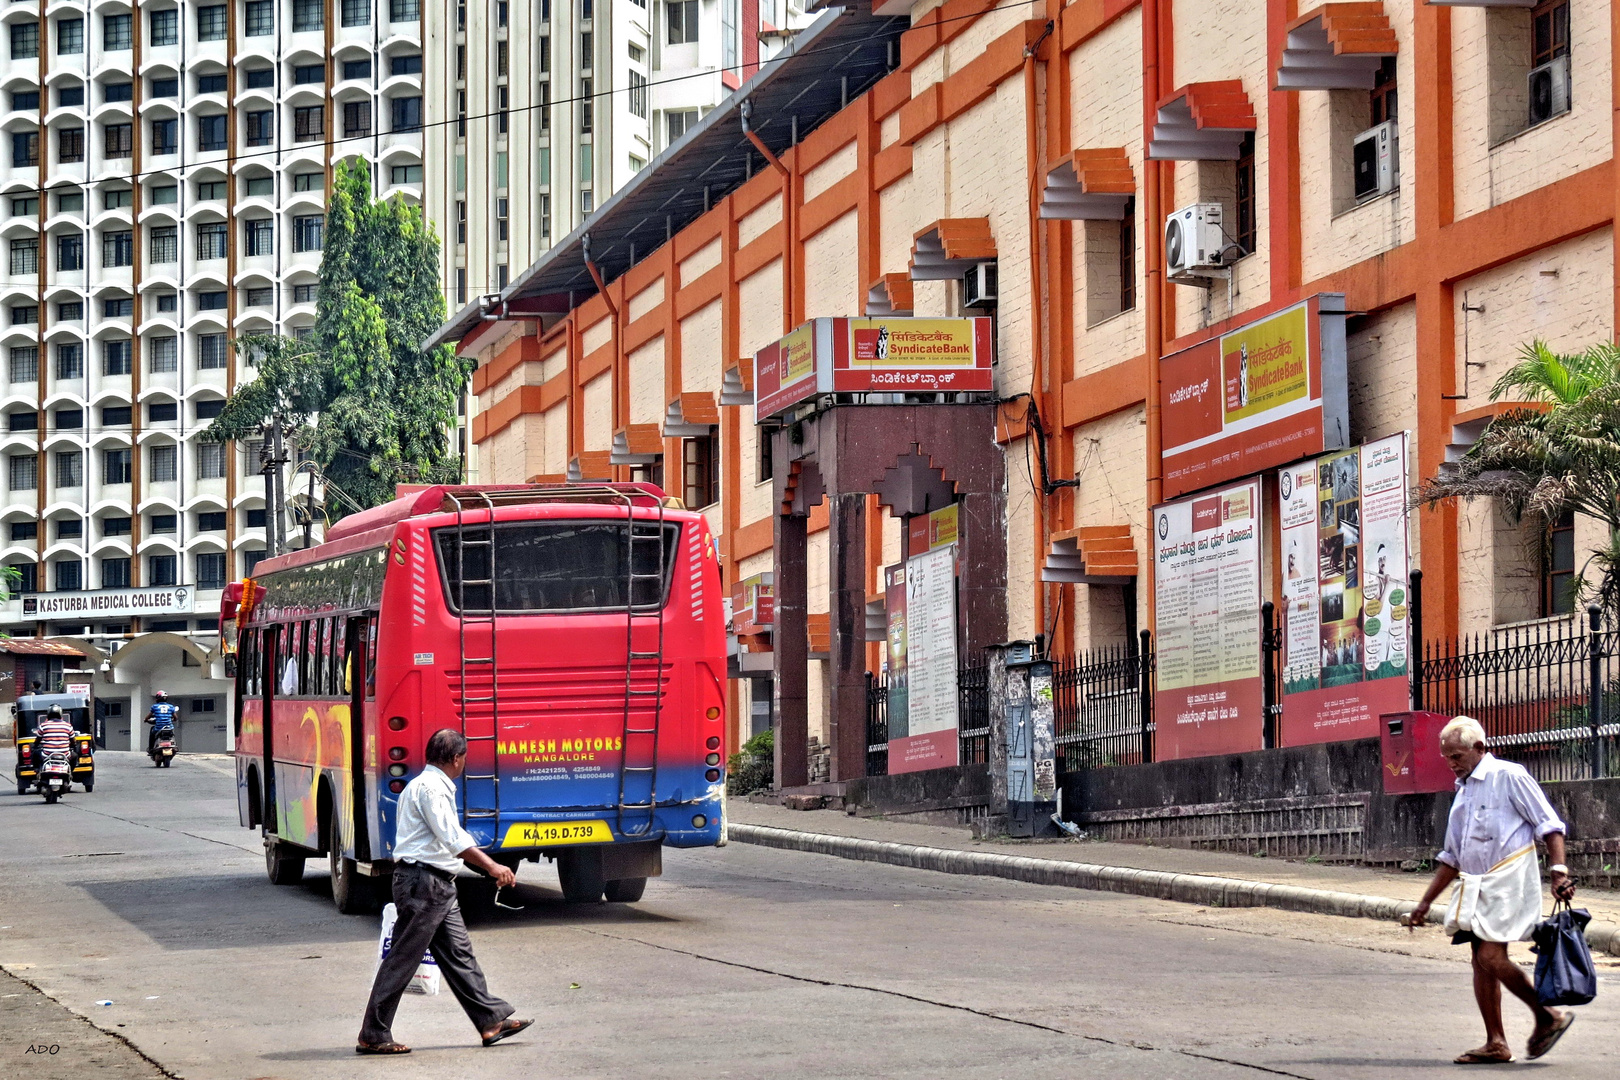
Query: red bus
(573, 634)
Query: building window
(259, 236)
(502, 209)
(356, 69)
(165, 136)
(24, 366)
(118, 140)
(261, 296)
(309, 123)
(211, 240)
(69, 37)
(115, 573)
(261, 127)
(309, 74)
(116, 416)
(211, 351)
(211, 464)
(1549, 31)
(118, 92)
(70, 360)
(25, 256)
(587, 202)
(116, 467)
(69, 469)
(407, 113)
(700, 470)
(638, 94)
(308, 231)
(118, 248)
(404, 65)
(461, 285)
(25, 149)
(70, 311)
(70, 96)
(164, 353)
(261, 18)
(119, 307)
(304, 294)
(356, 12)
(501, 59)
(211, 23)
(70, 251)
(1558, 579)
(24, 530)
(213, 300)
(70, 144)
(165, 88)
(1384, 102)
(24, 470)
(681, 16)
(70, 572)
(165, 244)
(160, 570)
(356, 119)
(587, 105)
(308, 15)
(22, 421)
(545, 215)
(25, 41)
(404, 10)
(70, 419)
(406, 174)
(502, 101)
(115, 357)
(210, 575)
(545, 106)
(116, 32)
(1247, 226)
(211, 132)
(160, 463)
(679, 123)
(24, 314)
(165, 27)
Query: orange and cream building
(1446, 168)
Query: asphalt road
(740, 962)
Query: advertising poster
(1344, 569)
(930, 740)
(1207, 586)
(894, 606)
(1266, 393)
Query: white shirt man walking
(1496, 818)
(429, 846)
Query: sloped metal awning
(691, 415)
(590, 465)
(1092, 555)
(1089, 185)
(889, 295)
(1467, 427)
(637, 444)
(1204, 121)
(1336, 47)
(737, 383)
(827, 65)
(946, 249)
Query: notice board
(922, 660)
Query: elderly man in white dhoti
(1496, 818)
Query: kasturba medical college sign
(177, 600)
(1257, 397)
(855, 356)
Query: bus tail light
(699, 821)
(396, 770)
(712, 759)
(396, 753)
(712, 775)
(714, 712)
(396, 786)
(397, 723)
(714, 742)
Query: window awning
(737, 383)
(1204, 121)
(1336, 47)
(946, 249)
(1089, 185)
(690, 416)
(590, 465)
(637, 444)
(890, 295)
(1092, 555)
(877, 617)
(38, 647)
(1467, 427)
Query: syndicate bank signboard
(1257, 397)
(858, 356)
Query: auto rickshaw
(29, 710)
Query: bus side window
(328, 649)
(340, 655)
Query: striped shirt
(55, 736)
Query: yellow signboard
(903, 343)
(1266, 364)
(799, 354)
(553, 833)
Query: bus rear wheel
(351, 890)
(580, 876)
(625, 890)
(283, 867)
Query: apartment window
(501, 102)
(115, 573)
(500, 12)
(168, 302)
(160, 569)
(27, 578)
(681, 16)
(117, 308)
(406, 174)
(210, 575)
(700, 469)
(69, 575)
(1549, 31)
(261, 18)
(304, 294)
(211, 301)
(261, 128)
(309, 123)
(24, 530)
(209, 408)
(115, 357)
(404, 10)
(166, 88)
(70, 361)
(211, 23)
(70, 96)
(166, 195)
(70, 144)
(211, 351)
(262, 79)
(118, 248)
(119, 140)
(24, 100)
(502, 208)
(587, 202)
(211, 465)
(70, 251)
(116, 32)
(165, 136)
(356, 13)
(25, 40)
(160, 461)
(24, 314)
(258, 297)
(115, 526)
(164, 242)
(308, 15)
(163, 354)
(308, 231)
(1558, 579)
(545, 106)
(25, 148)
(69, 419)
(211, 84)
(1247, 225)
(211, 132)
(502, 57)
(356, 69)
(70, 311)
(259, 235)
(461, 114)
(24, 470)
(69, 37)
(679, 123)
(407, 113)
(165, 27)
(1383, 100)
(70, 202)
(461, 285)
(121, 198)
(25, 256)
(22, 421)
(461, 61)
(69, 469)
(405, 65)
(502, 276)
(545, 215)
(122, 91)
(309, 74)
(116, 416)
(115, 467)
(356, 119)
(24, 367)
(638, 94)
(587, 105)
(545, 55)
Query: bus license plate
(549, 833)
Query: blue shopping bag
(1565, 974)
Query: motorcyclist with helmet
(163, 715)
(55, 733)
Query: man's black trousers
(428, 920)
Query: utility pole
(309, 510)
(271, 459)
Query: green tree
(1561, 452)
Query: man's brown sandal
(1482, 1056)
(1544, 1041)
(504, 1029)
(381, 1048)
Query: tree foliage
(372, 407)
(1559, 452)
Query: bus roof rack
(414, 501)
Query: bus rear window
(556, 566)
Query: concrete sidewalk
(1204, 877)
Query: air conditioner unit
(1194, 243)
(979, 286)
(1549, 89)
(1377, 161)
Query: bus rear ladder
(636, 732)
(477, 658)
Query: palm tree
(1561, 452)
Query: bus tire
(351, 890)
(283, 867)
(580, 877)
(625, 890)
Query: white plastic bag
(426, 979)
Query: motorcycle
(55, 777)
(163, 750)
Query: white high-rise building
(162, 191)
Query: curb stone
(1159, 884)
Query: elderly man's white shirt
(1499, 808)
(428, 830)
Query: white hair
(1463, 729)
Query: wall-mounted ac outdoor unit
(1194, 243)
(979, 286)
(1377, 161)
(1549, 89)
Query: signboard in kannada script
(1209, 695)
